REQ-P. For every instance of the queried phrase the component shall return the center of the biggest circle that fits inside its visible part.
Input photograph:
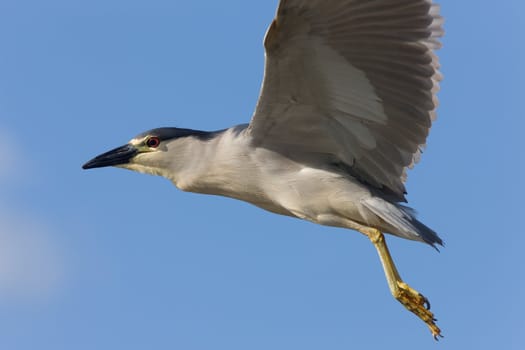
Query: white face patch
(142, 168)
(138, 141)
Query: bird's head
(152, 152)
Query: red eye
(153, 142)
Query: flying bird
(346, 104)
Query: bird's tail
(403, 220)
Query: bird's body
(348, 98)
(320, 192)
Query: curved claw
(426, 303)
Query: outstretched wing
(352, 82)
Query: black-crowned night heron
(348, 98)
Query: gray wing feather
(351, 82)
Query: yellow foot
(418, 304)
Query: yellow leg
(410, 298)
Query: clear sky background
(111, 259)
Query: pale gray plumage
(347, 101)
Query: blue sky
(112, 259)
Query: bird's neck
(212, 166)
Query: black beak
(117, 156)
